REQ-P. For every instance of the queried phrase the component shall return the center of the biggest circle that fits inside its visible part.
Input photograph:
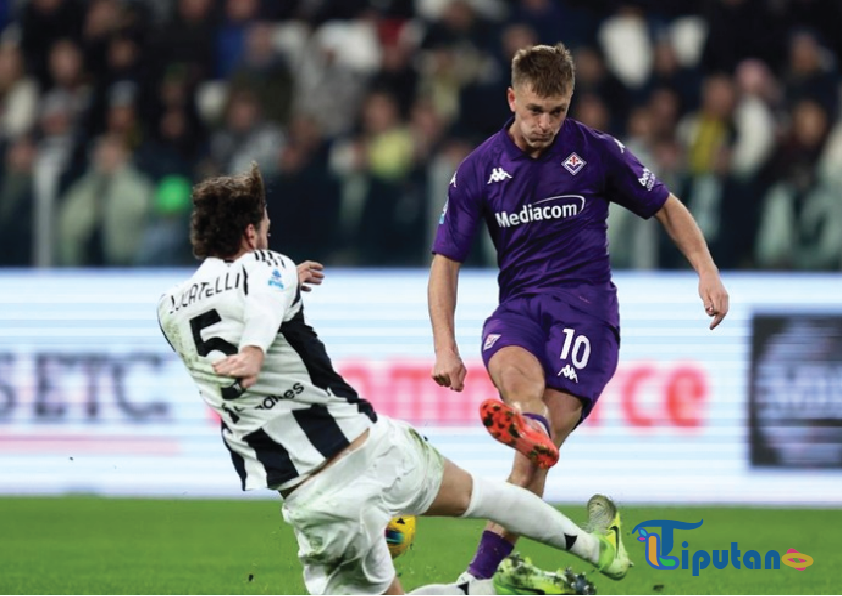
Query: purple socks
(540, 419)
(492, 547)
(491, 551)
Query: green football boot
(517, 575)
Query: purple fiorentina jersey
(548, 217)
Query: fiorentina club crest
(574, 164)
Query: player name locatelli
(564, 206)
(197, 291)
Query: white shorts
(339, 517)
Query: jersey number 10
(581, 348)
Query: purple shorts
(579, 352)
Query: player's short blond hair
(548, 69)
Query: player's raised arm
(272, 290)
(682, 228)
(457, 228)
(638, 189)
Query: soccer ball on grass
(399, 534)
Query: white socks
(475, 586)
(524, 513)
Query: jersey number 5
(206, 346)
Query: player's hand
(450, 371)
(310, 274)
(714, 296)
(244, 366)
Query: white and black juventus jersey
(300, 412)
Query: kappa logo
(569, 372)
(620, 145)
(498, 175)
(490, 341)
(574, 163)
(453, 180)
(443, 212)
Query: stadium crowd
(358, 112)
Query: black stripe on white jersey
(303, 339)
(321, 429)
(316, 424)
(273, 456)
(269, 258)
(297, 298)
(161, 327)
(236, 459)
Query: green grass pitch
(88, 545)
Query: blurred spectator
(262, 69)
(600, 88)
(326, 89)
(60, 148)
(667, 72)
(240, 15)
(591, 111)
(18, 94)
(17, 203)
(710, 133)
(42, 23)
(632, 241)
(398, 75)
(124, 62)
(664, 106)
(821, 16)
(709, 137)
(188, 40)
(627, 47)
(174, 149)
(811, 74)
(483, 105)
(246, 137)
(303, 201)
(452, 56)
(754, 118)
(102, 20)
(551, 21)
(459, 28)
(801, 215)
(740, 29)
(428, 131)
(165, 243)
(67, 75)
(101, 220)
(121, 117)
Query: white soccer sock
(522, 512)
(475, 586)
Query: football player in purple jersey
(542, 186)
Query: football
(399, 534)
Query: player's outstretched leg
(517, 575)
(520, 432)
(515, 508)
(604, 521)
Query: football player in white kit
(292, 424)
